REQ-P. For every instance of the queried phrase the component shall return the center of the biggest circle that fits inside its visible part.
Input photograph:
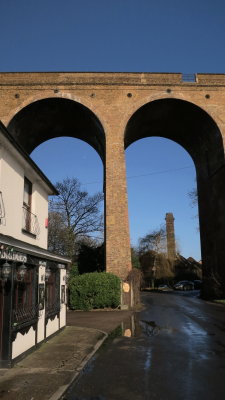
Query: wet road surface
(177, 351)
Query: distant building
(32, 280)
(187, 268)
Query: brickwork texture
(112, 110)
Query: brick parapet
(49, 79)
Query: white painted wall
(13, 169)
(52, 326)
(23, 342)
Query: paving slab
(52, 367)
(103, 320)
(46, 373)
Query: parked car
(184, 285)
(164, 288)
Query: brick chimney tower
(170, 236)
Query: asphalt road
(177, 352)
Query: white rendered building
(32, 280)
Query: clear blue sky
(120, 35)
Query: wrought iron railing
(52, 308)
(24, 314)
(30, 222)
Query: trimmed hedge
(94, 290)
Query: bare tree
(152, 250)
(155, 240)
(193, 195)
(56, 233)
(156, 266)
(77, 214)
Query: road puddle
(134, 327)
(149, 328)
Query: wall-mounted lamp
(21, 271)
(6, 271)
(47, 273)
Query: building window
(27, 193)
(25, 307)
(30, 221)
(27, 196)
(52, 304)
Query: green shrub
(94, 290)
(73, 271)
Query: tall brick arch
(113, 104)
(181, 121)
(53, 117)
(196, 131)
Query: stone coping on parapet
(108, 79)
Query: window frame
(27, 205)
(29, 192)
(52, 293)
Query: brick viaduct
(112, 110)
